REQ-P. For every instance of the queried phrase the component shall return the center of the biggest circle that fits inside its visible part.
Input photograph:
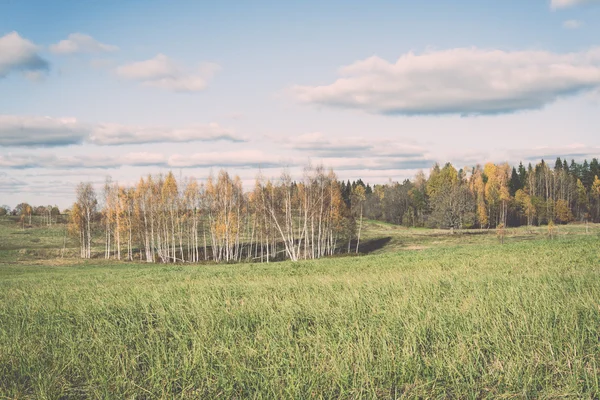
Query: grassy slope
(464, 317)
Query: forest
(488, 196)
(161, 219)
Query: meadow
(425, 314)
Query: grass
(402, 238)
(33, 242)
(464, 317)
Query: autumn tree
(563, 212)
(524, 201)
(582, 201)
(358, 200)
(595, 194)
(24, 211)
(82, 215)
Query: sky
(375, 90)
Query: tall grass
(519, 320)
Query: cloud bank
(115, 134)
(48, 160)
(238, 159)
(320, 145)
(465, 81)
(27, 131)
(16, 131)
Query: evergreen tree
(586, 175)
(522, 175)
(345, 190)
(594, 168)
(515, 182)
(575, 170)
(558, 165)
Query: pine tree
(522, 175)
(558, 165)
(586, 175)
(515, 182)
(594, 168)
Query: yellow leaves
(596, 186)
(75, 219)
(482, 213)
(504, 193)
(441, 180)
(522, 197)
(524, 200)
(496, 187)
(337, 203)
(490, 170)
(225, 202)
(563, 212)
(169, 187)
(379, 191)
(477, 184)
(210, 186)
(192, 188)
(359, 193)
(191, 196)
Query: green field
(426, 314)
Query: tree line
(487, 196)
(46, 215)
(162, 219)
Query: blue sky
(377, 90)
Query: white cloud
(377, 163)
(466, 81)
(237, 159)
(40, 131)
(55, 189)
(556, 4)
(358, 153)
(27, 131)
(322, 145)
(573, 24)
(49, 160)
(80, 43)
(9, 183)
(164, 73)
(240, 159)
(19, 54)
(317, 143)
(115, 134)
